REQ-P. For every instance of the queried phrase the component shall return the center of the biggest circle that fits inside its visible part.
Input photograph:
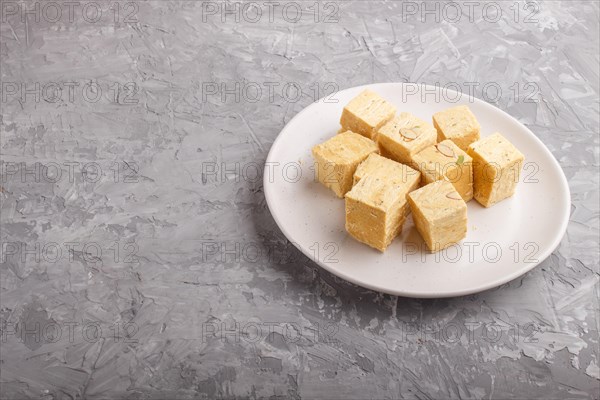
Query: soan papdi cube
(457, 124)
(366, 113)
(439, 214)
(337, 159)
(446, 161)
(376, 207)
(497, 166)
(404, 136)
(375, 162)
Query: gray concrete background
(130, 269)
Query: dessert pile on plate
(387, 165)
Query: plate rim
(557, 237)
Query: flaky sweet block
(366, 113)
(404, 136)
(447, 161)
(376, 162)
(376, 207)
(337, 158)
(457, 124)
(439, 214)
(497, 166)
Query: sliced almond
(454, 196)
(445, 150)
(408, 134)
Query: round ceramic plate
(502, 243)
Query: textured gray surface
(132, 273)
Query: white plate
(502, 243)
